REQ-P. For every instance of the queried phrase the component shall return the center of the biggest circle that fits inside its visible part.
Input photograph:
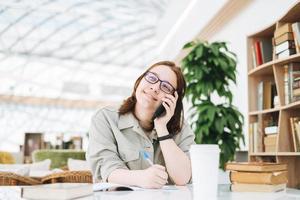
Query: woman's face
(148, 94)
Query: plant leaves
(209, 69)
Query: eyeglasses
(164, 86)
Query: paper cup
(205, 164)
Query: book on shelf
(296, 92)
(266, 48)
(296, 89)
(289, 44)
(296, 83)
(286, 85)
(291, 76)
(253, 134)
(255, 166)
(271, 130)
(270, 139)
(295, 131)
(284, 43)
(251, 137)
(266, 92)
(284, 37)
(244, 187)
(286, 53)
(284, 28)
(271, 178)
(296, 32)
(262, 51)
(255, 137)
(258, 54)
(270, 148)
(59, 191)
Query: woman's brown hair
(175, 124)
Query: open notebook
(117, 187)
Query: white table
(182, 193)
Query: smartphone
(159, 111)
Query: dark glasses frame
(160, 84)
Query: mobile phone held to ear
(158, 112)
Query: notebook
(101, 187)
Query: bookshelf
(267, 78)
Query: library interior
(172, 99)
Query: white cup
(205, 164)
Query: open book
(117, 187)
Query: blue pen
(146, 157)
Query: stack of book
(257, 176)
(284, 43)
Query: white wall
(195, 15)
(257, 16)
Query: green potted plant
(209, 69)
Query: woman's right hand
(154, 177)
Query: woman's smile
(149, 96)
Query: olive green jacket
(116, 141)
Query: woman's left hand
(169, 102)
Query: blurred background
(62, 59)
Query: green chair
(59, 158)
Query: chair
(59, 158)
(10, 179)
(69, 177)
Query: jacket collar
(128, 120)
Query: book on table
(256, 166)
(59, 191)
(244, 187)
(271, 178)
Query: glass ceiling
(50, 50)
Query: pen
(147, 157)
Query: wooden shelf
(267, 68)
(274, 73)
(264, 69)
(294, 105)
(275, 154)
(283, 61)
(277, 109)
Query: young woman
(119, 137)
